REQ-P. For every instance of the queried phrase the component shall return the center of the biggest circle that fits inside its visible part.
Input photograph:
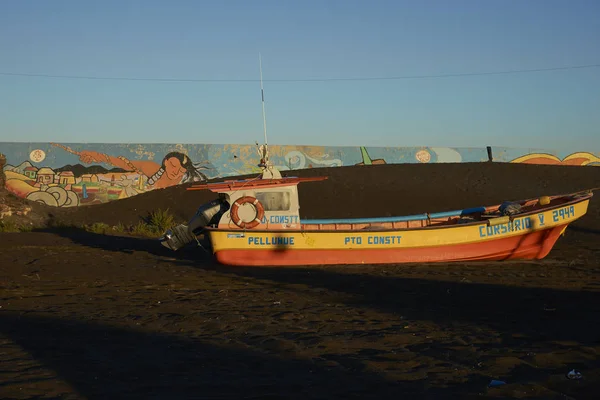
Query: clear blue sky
(302, 39)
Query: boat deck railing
(405, 218)
(438, 217)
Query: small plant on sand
(98, 227)
(161, 219)
(144, 229)
(156, 223)
(26, 228)
(9, 226)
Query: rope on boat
(198, 242)
(586, 192)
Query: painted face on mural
(174, 168)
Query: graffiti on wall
(545, 157)
(579, 159)
(78, 174)
(71, 175)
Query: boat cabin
(259, 203)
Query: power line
(382, 78)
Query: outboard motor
(208, 214)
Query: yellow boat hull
(527, 236)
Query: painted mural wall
(77, 174)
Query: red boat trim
(250, 183)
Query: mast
(269, 170)
(262, 94)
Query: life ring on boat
(260, 212)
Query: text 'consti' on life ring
(260, 212)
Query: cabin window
(274, 201)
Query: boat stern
(177, 237)
(182, 234)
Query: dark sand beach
(91, 316)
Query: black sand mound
(372, 191)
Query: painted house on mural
(89, 178)
(66, 178)
(31, 172)
(45, 176)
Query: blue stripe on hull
(416, 217)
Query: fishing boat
(256, 222)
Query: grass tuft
(161, 219)
(98, 227)
(9, 226)
(156, 223)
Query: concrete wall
(2, 176)
(75, 174)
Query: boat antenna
(262, 94)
